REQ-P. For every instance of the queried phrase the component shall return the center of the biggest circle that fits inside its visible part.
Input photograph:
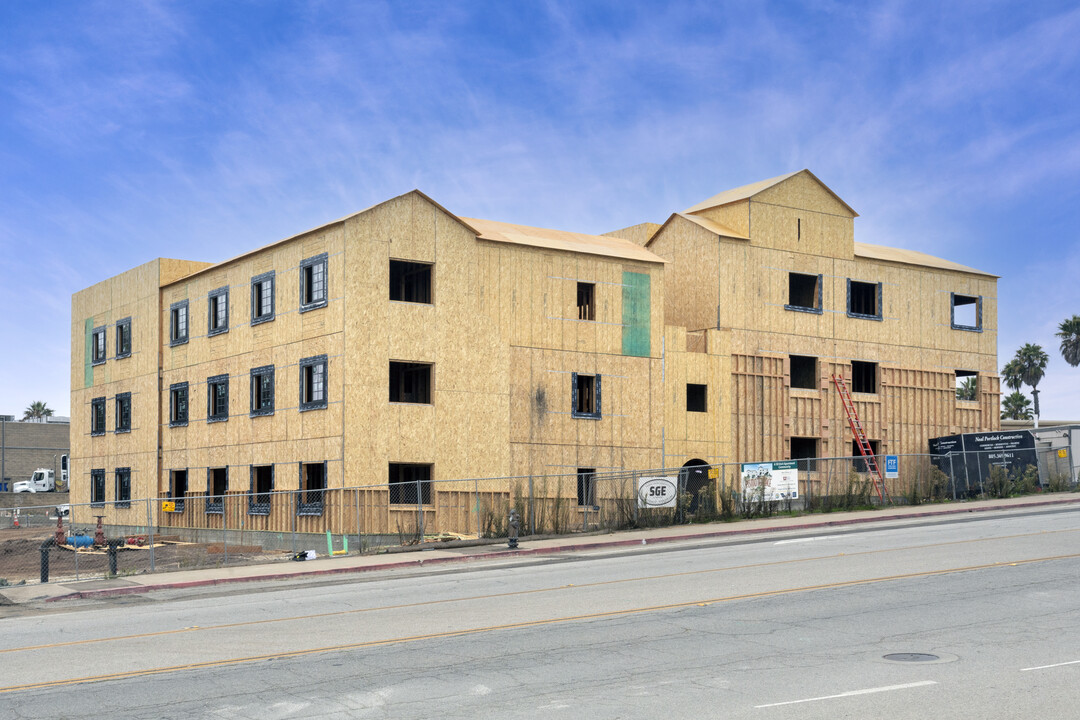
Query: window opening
(864, 299)
(262, 485)
(586, 301)
(217, 398)
(97, 416)
(410, 281)
(804, 373)
(313, 283)
(123, 338)
(585, 396)
(178, 323)
(697, 398)
(805, 450)
(123, 412)
(122, 490)
(804, 293)
(313, 383)
(312, 487)
(97, 487)
(98, 350)
(262, 298)
(966, 312)
(863, 377)
(859, 464)
(178, 488)
(217, 313)
(410, 484)
(217, 484)
(410, 382)
(178, 404)
(586, 487)
(262, 390)
(967, 385)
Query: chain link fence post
(149, 532)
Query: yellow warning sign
(714, 473)
(1063, 453)
(168, 506)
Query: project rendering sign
(770, 481)
(657, 492)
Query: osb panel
(638, 234)
(694, 269)
(800, 230)
(803, 192)
(735, 216)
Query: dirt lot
(20, 557)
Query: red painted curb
(130, 590)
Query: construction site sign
(770, 481)
(657, 492)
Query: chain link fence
(54, 544)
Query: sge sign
(657, 492)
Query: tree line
(1028, 366)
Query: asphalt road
(784, 627)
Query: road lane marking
(805, 540)
(510, 626)
(1046, 667)
(853, 693)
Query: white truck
(41, 481)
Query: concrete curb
(569, 547)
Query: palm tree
(1011, 374)
(37, 412)
(1015, 407)
(1028, 367)
(967, 389)
(1069, 332)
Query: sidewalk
(427, 556)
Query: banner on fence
(770, 481)
(657, 492)
(892, 466)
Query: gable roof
(748, 191)
(560, 240)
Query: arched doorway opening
(693, 477)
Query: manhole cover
(911, 657)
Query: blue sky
(198, 130)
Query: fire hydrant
(515, 526)
(99, 533)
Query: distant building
(404, 344)
(27, 446)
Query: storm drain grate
(911, 657)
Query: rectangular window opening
(123, 412)
(864, 376)
(410, 281)
(805, 450)
(178, 488)
(99, 354)
(262, 485)
(864, 299)
(967, 385)
(123, 487)
(586, 487)
(313, 283)
(262, 391)
(97, 487)
(217, 484)
(410, 382)
(262, 298)
(410, 484)
(312, 488)
(217, 398)
(586, 301)
(313, 383)
(123, 338)
(97, 416)
(178, 404)
(697, 398)
(585, 396)
(859, 464)
(217, 313)
(804, 372)
(966, 312)
(178, 323)
(804, 292)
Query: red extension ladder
(860, 437)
